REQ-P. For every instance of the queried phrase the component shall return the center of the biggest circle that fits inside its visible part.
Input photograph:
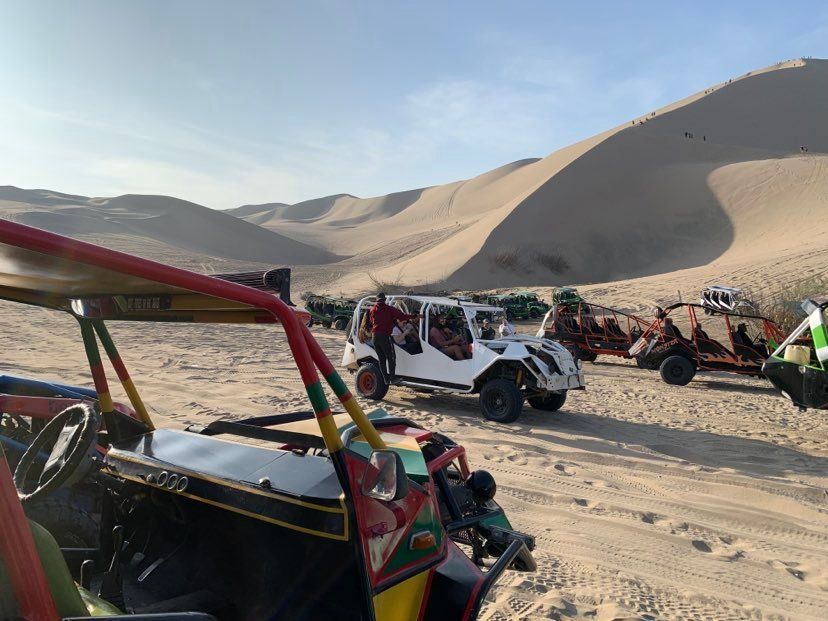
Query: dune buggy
(679, 344)
(566, 295)
(300, 515)
(589, 330)
(329, 312)
(799, 366)
(504, 372)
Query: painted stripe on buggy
(317, 397)
(264, 518)
(123, 374)
(120, 455)
(818, 333)
(336, 383)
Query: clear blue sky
(226, 103)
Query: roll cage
(93, 285)
(707, 353)
(431, 307)
(593, 328)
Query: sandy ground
(648, 501)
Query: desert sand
(648, 501)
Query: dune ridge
(641, 199)
(142, 221)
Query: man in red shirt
(383, 318)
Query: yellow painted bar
(137, 403)
(122, 373)
(330, 433)
(105, 400)
(368, 430)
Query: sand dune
(142, 222)
(640, 199)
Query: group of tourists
(390, 327)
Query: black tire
(677, 370)
(534, 313)
(326, 323)
(71, 526)
(370, 382)
(340, 323)
(587, 356)
(510, 316)
(640, 362)
(501, 400)
(310, 323)
(552, 402)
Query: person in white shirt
(505, 328)
(406, 337)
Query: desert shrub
(782, 305)
(389, 286)
(522, 259)
(508, 258)
(552, 261)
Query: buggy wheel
(501, 400)
(677, 370)
(340, 323)
(640, 362)
(510, 316)
(310, 323)
(552, 402)
(71, 526)
(326, 323)
(534, 313)
(370, 382)
(587, 356)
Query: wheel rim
(676, 371)
(367, 382)
(497, 403)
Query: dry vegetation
(783, 305)
(521, 259)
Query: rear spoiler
(276, 280)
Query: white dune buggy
(504, 372)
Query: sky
(232, 103)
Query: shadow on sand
(639, 440)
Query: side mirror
(385, 477)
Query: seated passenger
(741, 337)
(699, 332)
(487, 332)
(365, 334)
(405, 336)
(441, 338)
(505, 328)
(671, 330)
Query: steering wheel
(70, 438)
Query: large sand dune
(146, 224)
(640, 199)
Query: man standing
(383, 318)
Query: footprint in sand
(565, 470)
